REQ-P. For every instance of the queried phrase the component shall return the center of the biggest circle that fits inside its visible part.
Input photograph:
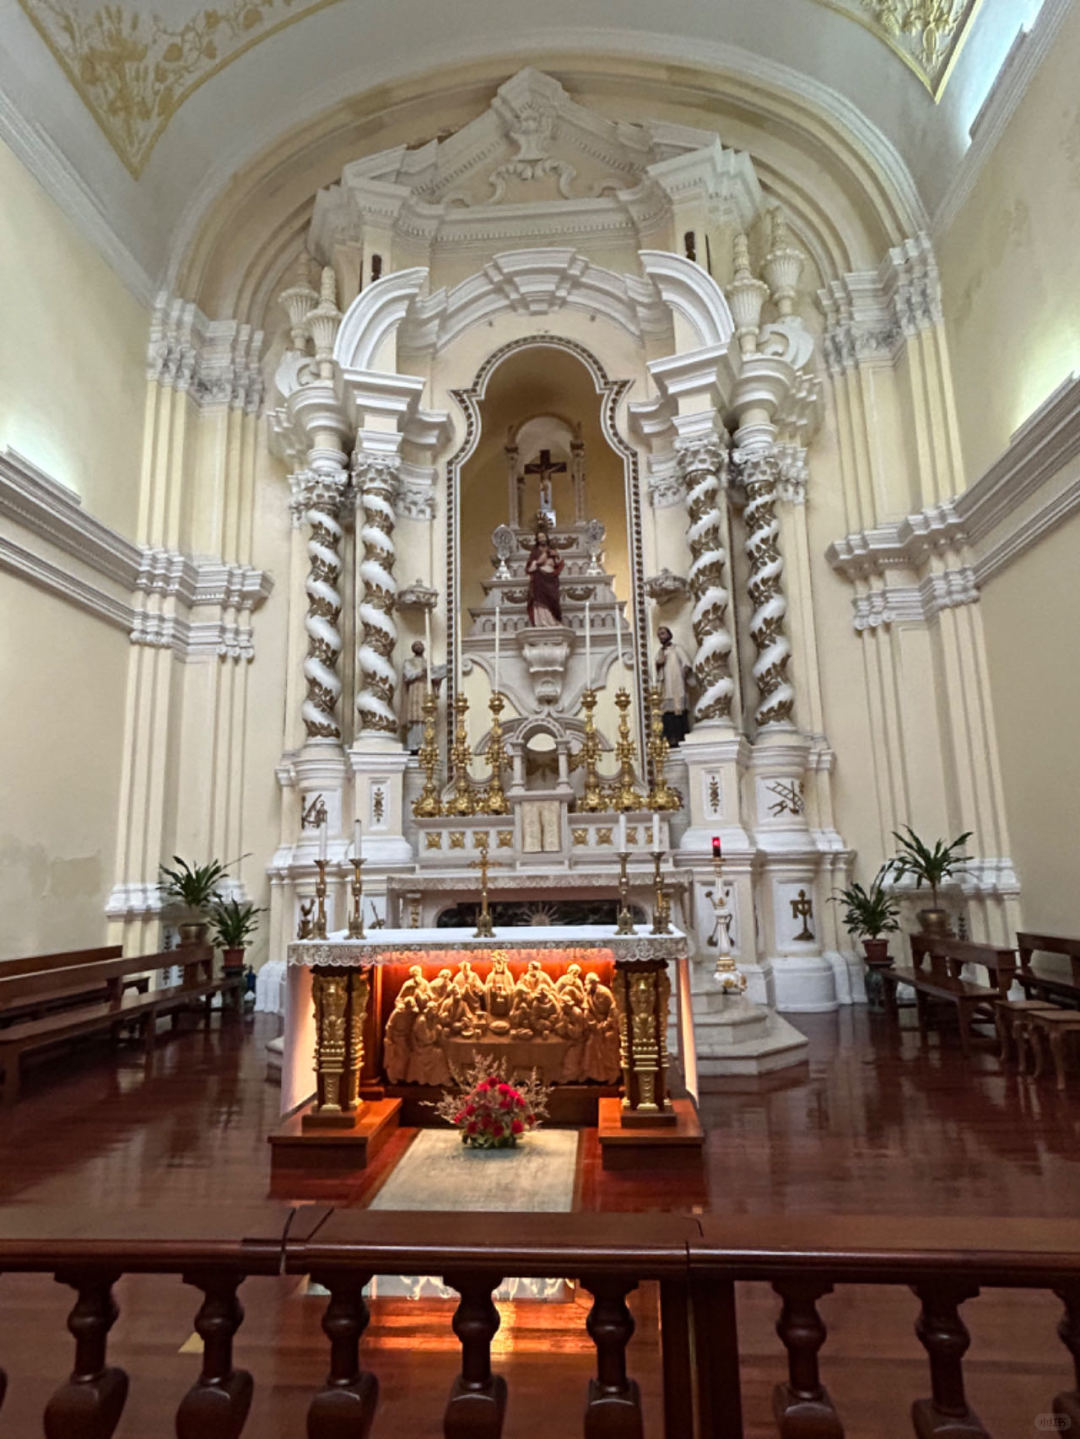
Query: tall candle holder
(661, 796)
(592, 800)
(623, 793)
(463, 801)
(624, 923)
(485, 927)
(318, 928)
(428, 805)
(494, 798)
(730, 977)
(356, 919)
(662, 907)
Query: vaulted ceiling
(151, 113)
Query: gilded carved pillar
(322, 497)
(376, 482)
(702, 464)
(757, 471)
(340, 998)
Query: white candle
(588, 647)
(356, 839)
(622, 833)
(322, 840)
(656, 833)
(498, 637)
(427, 646)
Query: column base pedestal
(645, 1146)
(298, 1149)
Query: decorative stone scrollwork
(375, 480)
(322, 496)
(702, 464)
(758, 473)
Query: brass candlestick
(661, 796)
(356, 919)
(622, 793)
(731, 979)
(494, 799)
(592, 800)
(485, 928)
(462, 801)
(428, 805)
(662, 907)
(318, 929)
(625, 920)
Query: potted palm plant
(233, 924)
(870, 914)
(196, 887)
(931, 867)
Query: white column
(323, 494)
(702, 464)
(375, 478)
(756, 467)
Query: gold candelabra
(731, 978)
(318, 928)
(485, 928)
(661, 796)
(429, 805)
(356, 919)
(493, 800)
(462, 801)
(622, 792)
(662, 907)
(624, 923)
(592, 799)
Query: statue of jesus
(543, 568)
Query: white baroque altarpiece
(612, 327)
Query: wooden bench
(32, 995)
(1047, 986)
(936, 976)
(117, 1011)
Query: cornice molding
(871, 314)
(118, 577)
(216, 362)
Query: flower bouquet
(489, 1110)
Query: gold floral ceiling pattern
(134, 70)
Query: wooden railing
(695, 1261)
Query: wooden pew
(936, 974)
(1044, 986)
(114, 1012)
(66, 959)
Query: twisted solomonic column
(376, 482)
(757, 470)
(322, 495)
(701, 463)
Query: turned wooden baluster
(802, 1406)
(345, 1407)
(613, 1410)
(217, 1404)
(477, 1404)
(90, 1404)
(1067, 1403)
(942, 1334)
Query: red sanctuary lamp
(717, 851)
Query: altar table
(329, 982)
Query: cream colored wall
(1010, 264)
(61, 725)
(72, 354)
(1030, 612)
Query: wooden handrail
(695, 1259)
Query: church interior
(535, 886)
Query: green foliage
(869, 913)
(195, 885)
(233, 923)
(925, 865)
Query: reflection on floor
(876, 1125)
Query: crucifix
(544, 468)
(803, 908)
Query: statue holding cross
(544, 468)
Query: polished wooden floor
(874, 1124)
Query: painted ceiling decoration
(134, 71)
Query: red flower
(505, 1089)
(470, 1109)
(517, 1126)
(483, 1086)
(459, 1117)
(470, 1128)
